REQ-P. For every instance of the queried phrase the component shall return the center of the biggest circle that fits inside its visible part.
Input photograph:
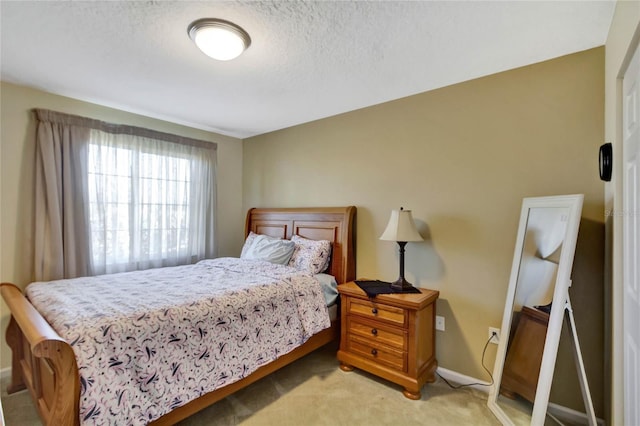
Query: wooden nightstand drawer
(376, 332)
(377, 311)
(380, 353)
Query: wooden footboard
(42, 361)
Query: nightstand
(391, 336)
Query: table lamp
(401, 229)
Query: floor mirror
(536, 304)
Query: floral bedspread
(149, 341)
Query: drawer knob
(374, 331)
(374, 352)
(374, 311)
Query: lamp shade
(401, 227)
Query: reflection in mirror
(544, 234)
(540, 273)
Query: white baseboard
(570, 415)
(5, 373)
(461, 379)
(559, 411)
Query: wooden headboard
(336, 224)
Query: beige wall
(17, 156)
(621, 43)
(462, 158)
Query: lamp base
(401, 284)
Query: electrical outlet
(495, 339)
(439, 323)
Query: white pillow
(310, 255)
(247, 243)
(274, 250)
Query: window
(113, 198)
(145, 198)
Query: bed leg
(14, 340)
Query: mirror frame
(556, 317)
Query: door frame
(627, 216)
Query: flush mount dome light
(219, 39)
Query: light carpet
(314, 391)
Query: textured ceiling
(307, 60)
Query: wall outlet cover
(495, 339)
(439, 323)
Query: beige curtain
(113, 198)
(61, 217)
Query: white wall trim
(5, 373)
(459, 378)
(559, 411)
(570, 415)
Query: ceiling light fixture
(219, 39)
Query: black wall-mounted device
(605, 161)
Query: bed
(45, 364)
